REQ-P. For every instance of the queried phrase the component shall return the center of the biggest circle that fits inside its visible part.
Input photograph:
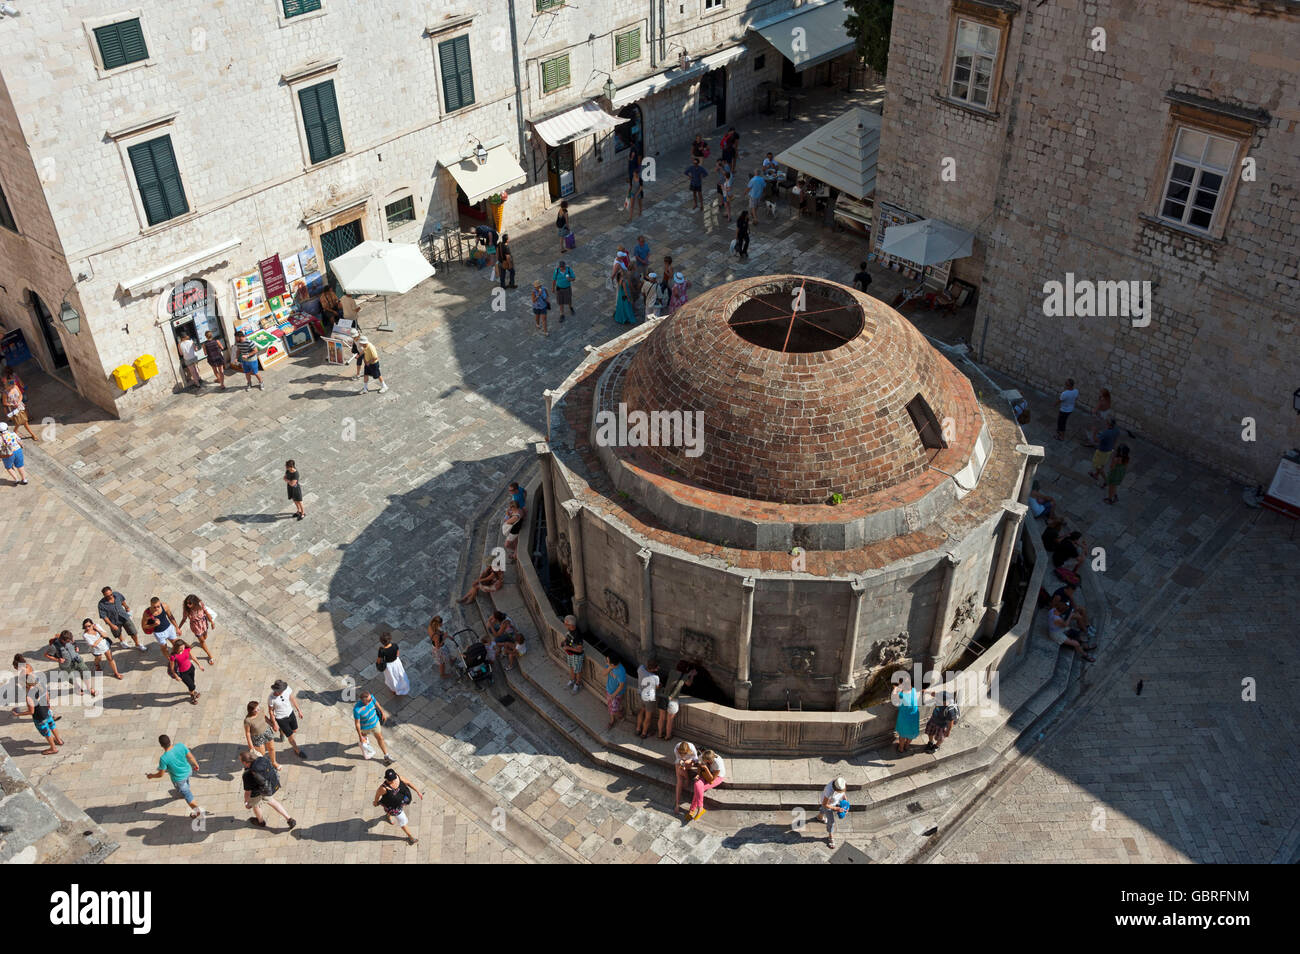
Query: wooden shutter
(555, 73)
(158, 179)
(465, 71)
(121, 43)
(293, 8)
(627, 47)
(320, 121)
(329, 111)
(457, 73)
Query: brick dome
(794, 410)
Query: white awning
(661, 81)
(842, 153)
(575, 123)
(501, 171)
(160, 277)
(822, 35)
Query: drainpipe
(519, 95)
(662, 21)
(654, 56)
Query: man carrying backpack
(261, 782)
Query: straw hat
(679, 278)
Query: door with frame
(559, 171)
(338, 241)
(49, 333)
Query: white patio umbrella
(381, 268)
(928, 242)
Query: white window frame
(301, 18)
(975, 53)
(143, 132)
(295, 83)
(711, 7)
(1198, 168)
(90, 24)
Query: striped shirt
(246, 350)
(367, 714)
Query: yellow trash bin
(125, 377)
(145, 367)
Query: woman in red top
(181, 667)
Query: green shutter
(320, 121)
(548, 4)
(158, 179)
(555, 74)
(627, 47)
(293, 8)
(457, 73)
(121, 43)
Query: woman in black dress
(292, 481)
(742, 234)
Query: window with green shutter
(121, 43)
(158, 179)
(320, 120)
(457, 74)
(6, 214)
(555, 73)
(627, 47)
(543, 5)
(400, 212)
(294, 8)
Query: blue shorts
(250, 367)
(183, 789)
(15, 461)
(46, 728)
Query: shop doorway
(713, 89)
(478, 212)
(194, 312)
(53, 344)
(559, 171)
(791, 78)
(631, 133)
(338, 241)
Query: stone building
(1107, 141)
(152, 155)
(796, 504)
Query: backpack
(265, 775)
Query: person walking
(201, 622)
(368, 717)
(390, 664)
(742, 234)
(615, 688)
(633, 163)
(11, 453)
(505, 262)
(712, 773)
(562, 286)
(730, 146)
(293, 481)
(648, 687)
(181, 665)
(370, 358)
(686, 762)
(1115, 477)
(1065, 407)
(441, 646)
(358, 359)
(574, 653)
(258, 733)
(680, 293)
(757, 187)
(699, 148)
(284, 714)
(541, 305)
(159, 623)
(14, 396)
(834, 806)
(696, 174)
(188, 352)
(907, 724)
(1100, 415)
(641, 254)
(624, 310)
(116, 615)
(564, 228)
(99, 642)
(724, 188)
(1106, 441)
(216, 356)
(261, 782)
(862, 277)
(177, 761)
(246, 351)
(635, 196)
(63, 650)
(38, 707)
(393, 796)
(941, 721)
(646, 297)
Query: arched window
(926, 424)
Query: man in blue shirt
(518, 495)
(697, 174)
(368, 715)
(757, 186)
(641, 252)
(562, 285)
(177, 762)
(615, 688)
(1106, 441)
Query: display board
(1284, 492)
(888, 215)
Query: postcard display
(887, 215)
(270, 322)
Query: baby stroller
(473, 661)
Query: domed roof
(841, 396)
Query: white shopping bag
(366, 751)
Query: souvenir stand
(936, 276)
(264, 301)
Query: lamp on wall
(610, 88)
(481, 154)
(67, 314)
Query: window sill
(300, 18)
(313, 166)
(189, 216)
(119, 70)
(991, 115)
(1182, 231)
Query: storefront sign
(272, 272)
(189, 298)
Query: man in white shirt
(832, 795)
(285, 713)
(1065, 407)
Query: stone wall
(1065, 178)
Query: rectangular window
(400, 212)
(543, 5)
(627, 47)
(6, 214)
(158, 179)
(121, 43)
(974, 56)
(457, 74)
(295, 8)
(1198, 171)
(320, 120)
(714, 4)
(555, 73)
